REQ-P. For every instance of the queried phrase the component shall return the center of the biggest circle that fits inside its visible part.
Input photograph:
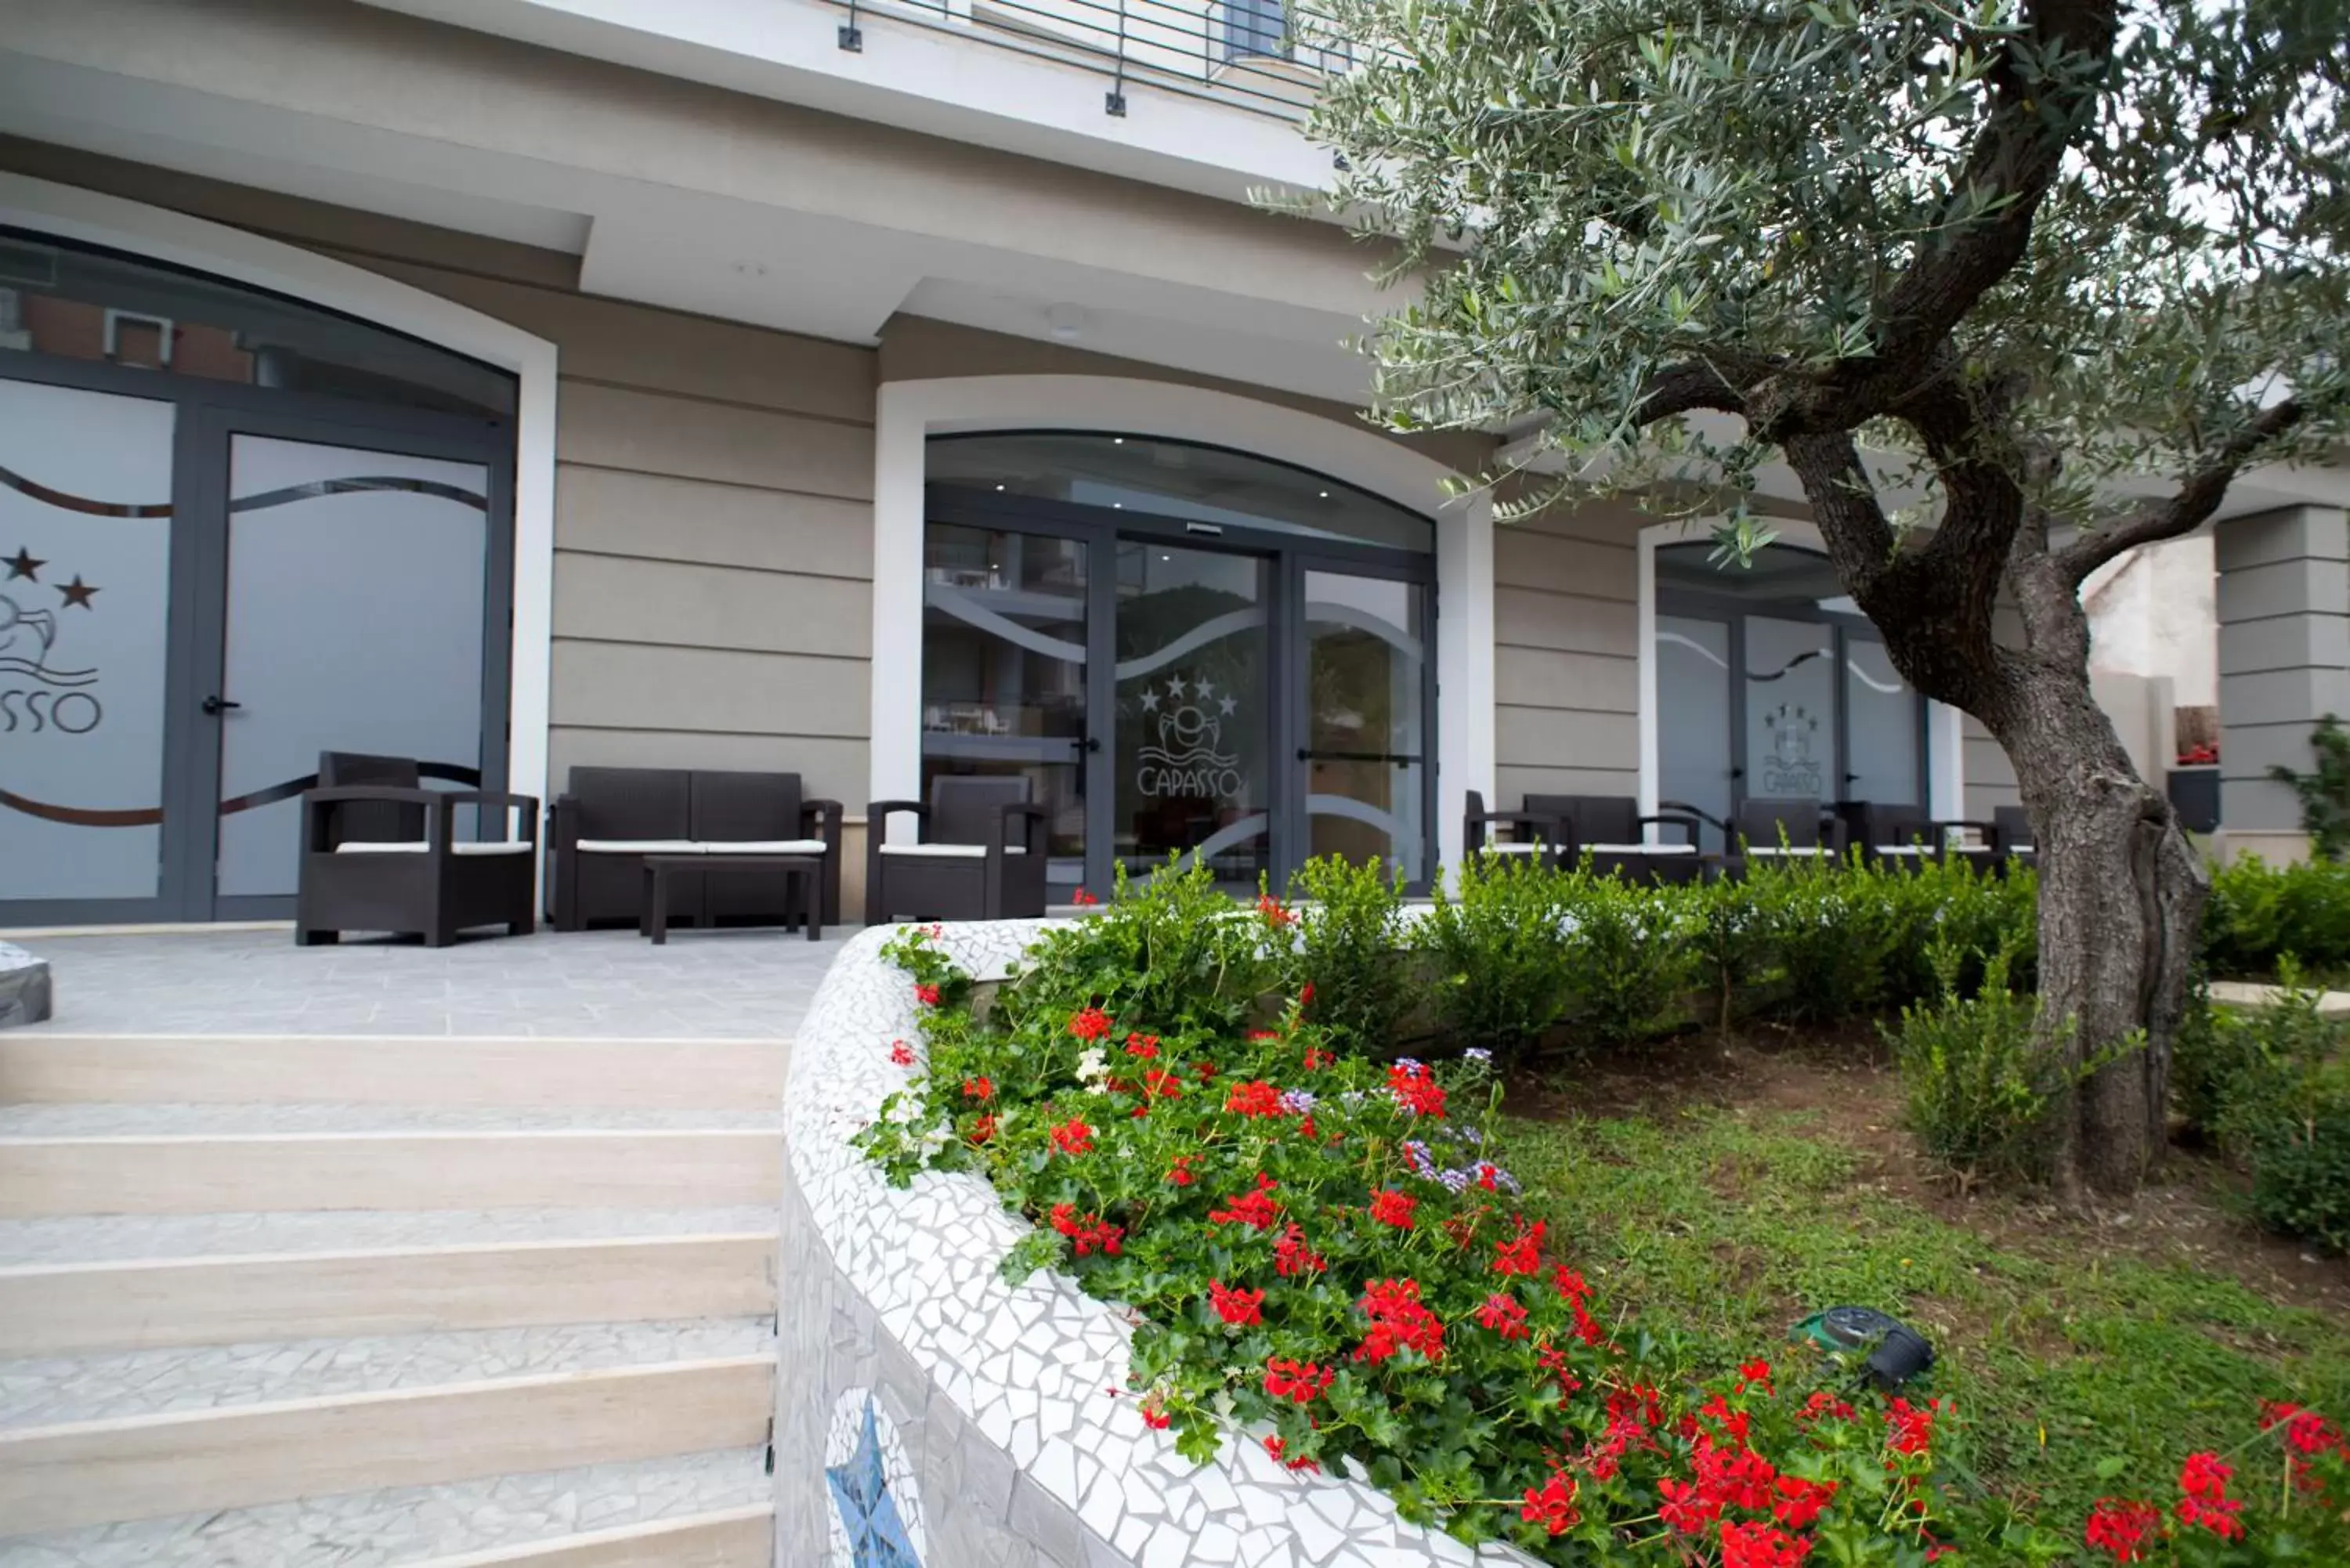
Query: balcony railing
(1266, 57)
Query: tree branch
(2198, 496)
(1844, 503)
(1694, 384)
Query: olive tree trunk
(2121, 904)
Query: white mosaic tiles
(1040, 1369)
(875, 1502)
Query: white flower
(1093, 1066)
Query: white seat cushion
(418, 847)
(640, 846)
(1898, 848)
(949, 851)
(1515, 848)
(1642, 848)
(762, 847)
(1790, 850)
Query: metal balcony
(1262, 56)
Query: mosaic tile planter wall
(930, 1414)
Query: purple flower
(1422, 1163)
(1477, 1055)
(1455, 1181)
(1407, 1065)
(1296, 1102)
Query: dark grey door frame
(207, 415)
(1101, 529)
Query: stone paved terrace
(722, 984)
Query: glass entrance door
(1790, 711)
(86, 539)
(1365, 748)
(1193, 727)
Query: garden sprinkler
(1900, 1352)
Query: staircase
(288, 1302)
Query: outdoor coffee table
(800, 873)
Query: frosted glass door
(1366, 752)
(85, 589)
(355, 601)
(1693, 761)
(1790, 710)
(1194, 735)
(1882, 721)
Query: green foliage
(1352, 940)
(2285, 1109)
(1832, 930)
(2086, 1370)
(2326, 794)
(1500, 949)
(1629, 955)
(2259, 913)
(1326, 1255)
(1979, 1077)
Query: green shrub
(1953, 901)
(2326, 794)
(1729, 942)
(1498, 949)
(1831, 929)
(2216, 1047)
(1630, 957)
(2284, 1107)
(2259, 912)
(1978, 1080)
(1352, 948)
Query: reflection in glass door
(1694, 766)
(1365, 747)
(355, 620)
(1881, 727)
(1004, 672)
(1791, 734)
(86, 535)
(1193, 727)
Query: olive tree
(2010, 286)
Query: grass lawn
(1723, 1193)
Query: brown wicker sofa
(607, 821)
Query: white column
(1464, 666)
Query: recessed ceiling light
(1064, 322)
(751, 268)
(1117, 441)
(1118, 505)
(999, 487)
(1325, 494)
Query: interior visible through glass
(1003, 672)
(1366, 778)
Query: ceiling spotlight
(1323, 493)
(751, 268)
(1065, 322)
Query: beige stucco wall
(714, 531)
(1566, 657)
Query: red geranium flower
(1390, 1207)
(1275, 1447)
(982, 1088)
(1824, 1404)
(1305, 997)
(1074, 1136)
(901, 1053)
(1800, 1501)
(1089, 1023)
(1755, 1373)
(1291, 1255)
(1301, 1382)
(1399, 1321)
(1157, 1420)
(1158, 1083)
(1255, 1098)
(1316, 1058)
(1520, 1255)
(928, 996)
(1910, 1427)
(1504, 1315)
(2119, 1527)
(1083, 899)
(983, 1129)
(2204, 1479)
(1236, 1307)
(1275, 912)
(1260, 1034)
(1687, 1507)
(1143, 1045)
(1180, 1173)
(1552, 1506)
(1253, 1208)
(1415, 1088)
(1761, 1546)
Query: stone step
(709, 1509)
(150, 1303)
(126, 1120)
(66, 1475)
(134, 1238)
(49, 1066)
(56, 1390)
(195, 1175)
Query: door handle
(215, 706)
(1093, 742)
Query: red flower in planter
(1823, 1403)
(1083, 899)
(901, 1054)
(1522, 1253)
(1157, 1420)
(1275, 913)
(1399, 1321)
(1207, 1072)
(2207, 1505)
(1158, 1082)
(1253, 1098)
(928, 996)
(1316, 1058)
(1554, 1362)
(1390, 1207)
(983, 1129)
(1800, 1501)
(1276, 1448)
(1755, 1373)
(2119, 1527)
(982, 1088)
(1238, 1308)
(1074, 1136)
(1089, 1023)
(1087, 1234)
(1143, 1045)
(1264, 1035)
(1552, 1506)
(1305, 997)
(1909, 1429)
(1738, 1477)
(1761, 1546)
(1301, 1382)
(1180, 1172)
(1504, 1315)
(1253, 1208)
(1415, 1088)
(1687, 1507)
(1291, 1255)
